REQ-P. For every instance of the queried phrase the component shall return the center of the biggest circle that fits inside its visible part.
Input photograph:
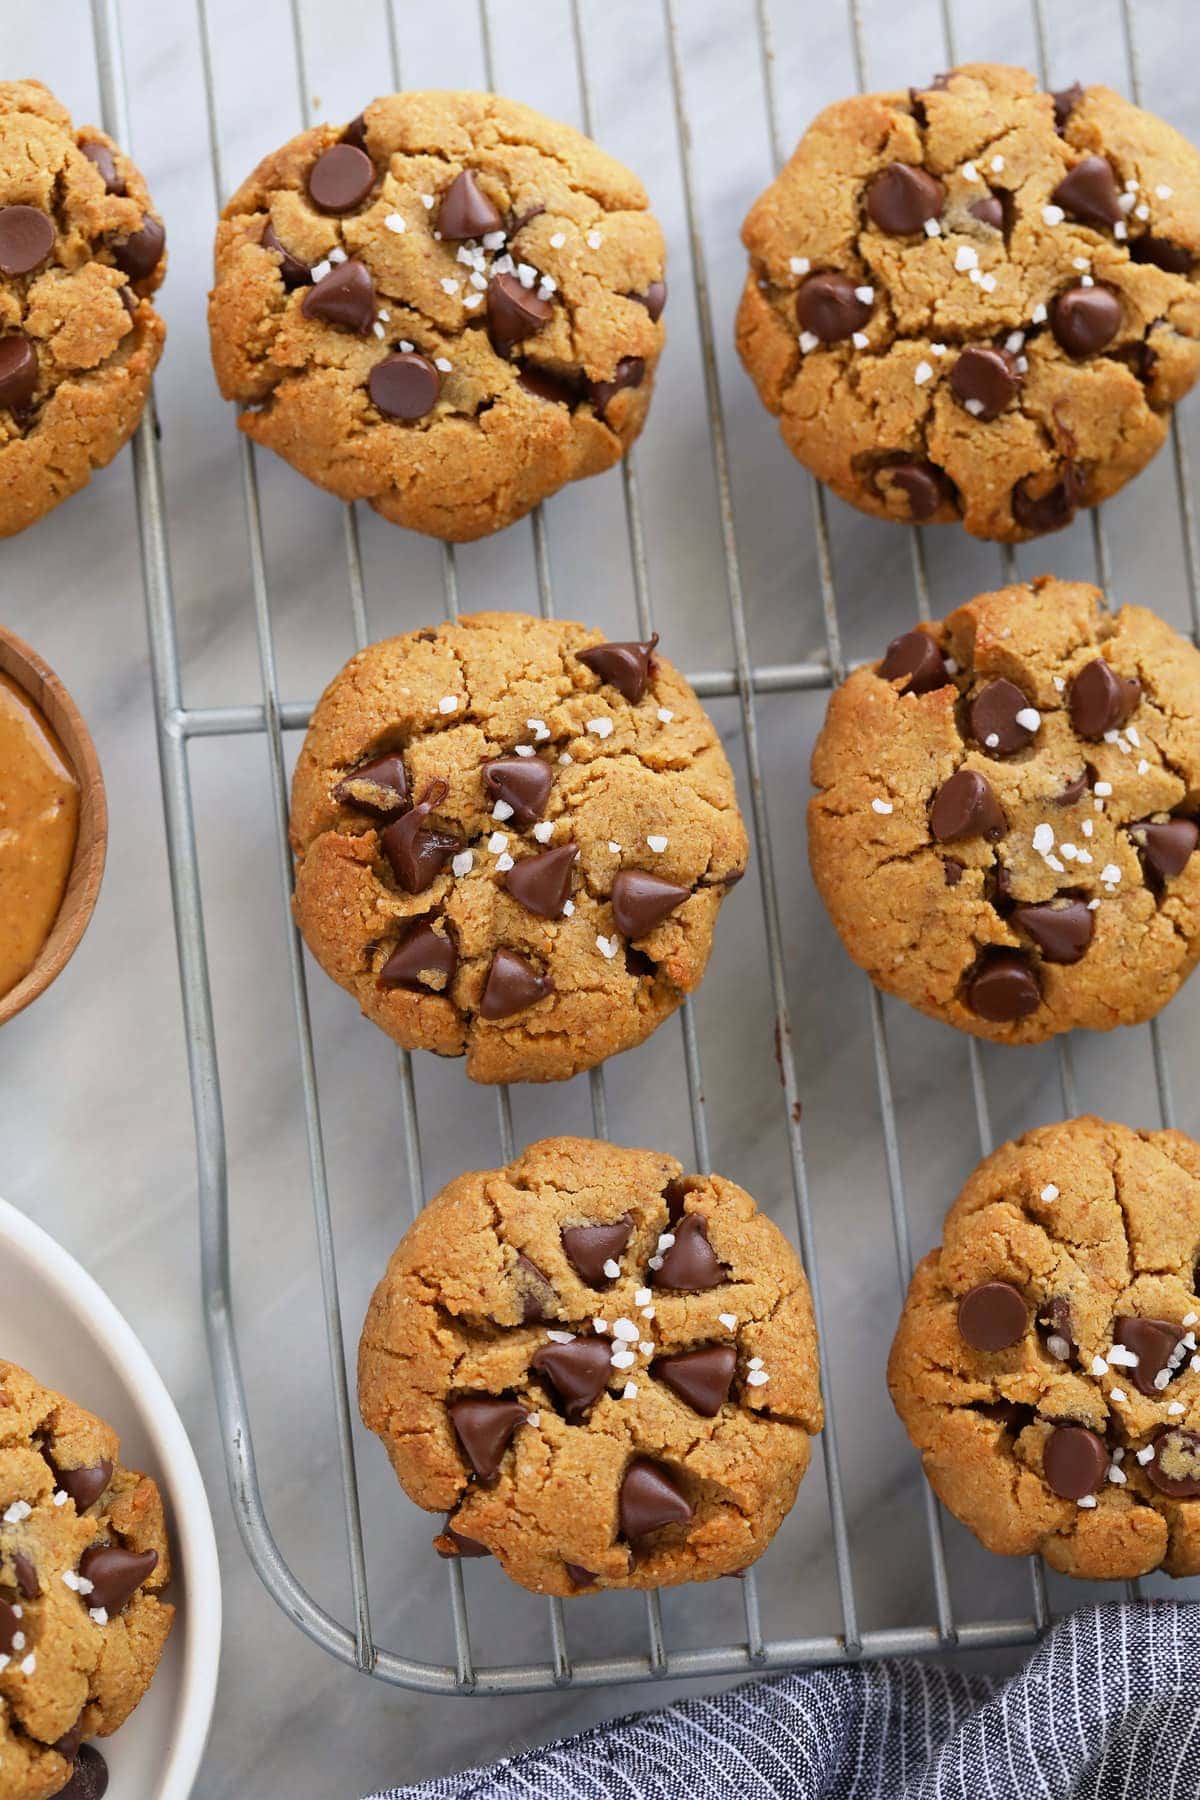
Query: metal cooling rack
(177, 724)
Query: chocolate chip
(1060, 1333)
(346, 297)
(522, 782)
(104, 161)
(518, 221)
(627, 667)
(649, 1499)
(85, 1486)
(828, 306)
(139, 255)
(1074, 1461)
(690, 1264)
(654, 299)
(68, 1744)
(1051, 510)
(916, 658)
(675, 1193)
(356, 133)
(89, 1777)
(379, 786)
(26, 239)
(1101, 700)
(512, 985)
(1003, 989)
(484, 1428)
(466, 211)
(900, 198)
(1065, 102)
(989, 211)
(952, 871)
(701, 1378)
(26, 1575)
(1165, 844)
(292, 272)
(340, 179)
(18, 371)
(514, 312)
(993, 1316)
(542, 883)
(993, 718)
(10, 1625)
(628, 373)
(460, 1544)
(1085, 319)
(424, 959)
(1175, 1468)
(640, 901)
(588, 1247)
(926, 487)
(115, 1573)
(965, 806)
(1173, 258)
(1153, 1342)
(1061, 929)
(415, 850)
(579, 1576)
(538, 1299)
(1089, 193)
(404, 386)
(559, 390)
(1074, 790)
(579, 1371)
(988, 378)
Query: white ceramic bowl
(61, 1326)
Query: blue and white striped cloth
(1107, 1708)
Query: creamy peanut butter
(39, 822)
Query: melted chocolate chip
(828, 306)
(1062, 929)
(1173, 258)
(701, 1378)
(293, 273)
(1165, 844)
(649, 1499)
(543, 384)
(579, 1576)
(1085, 319)
(926, 487)
(588, 1247)
(1074, 1461)
(115, 1573)
(994, 720)
(466, 211)
(85, 1486)
(404, 386)
(379, 786)
(640, 901)
(512, 985)
(986, 377)
(965, 806)
(1074, 790)
(1065, 102)
(915, 658)
(1153, 1342)
(1175, 1468)
(1089, 193)
(1059, 1330)
(484, 1427)
(356, 133)
(460, 1544)
(346, 297)
(989, 211)
(542, 883)
(26, 1574)
(89, 1777)
(690, 1264)
(424, 959)
(417, 852)
(522, 782)
(538, 1299)
(514, 312)
(654, 299)
(18, 371)
(993, 1316)
(1003, 989)
(629, 373)
(900, 198)
(1101, 700)
(578, 1371)
(26, 239)
(10, 1626)
(1051, 510)
(627, 667)
(105, 163)
(139, 255)
(952, 871)
(340, 179)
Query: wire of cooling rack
(178, 723)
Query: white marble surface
(95, 1123)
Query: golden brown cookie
(83, 1562)
(449, 308)
(978, 300)
(1007, 814)
(603, 1370)
(512, 841)
(1046, 1362)
(81, 254)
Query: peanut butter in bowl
(39, 826)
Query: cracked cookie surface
(1046, 1363)
(603, 1370)
(1007, 814)
(512, 841)
(81, 255)
(977, 300)
(449, 309)
(83, 1562)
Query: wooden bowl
(26, 668)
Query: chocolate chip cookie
(513, 839)
(603, 1371)
(1046, 1363)
(977, 300)
(449, 308)
(83, 1562)
(81, 254)
(1007, 814)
